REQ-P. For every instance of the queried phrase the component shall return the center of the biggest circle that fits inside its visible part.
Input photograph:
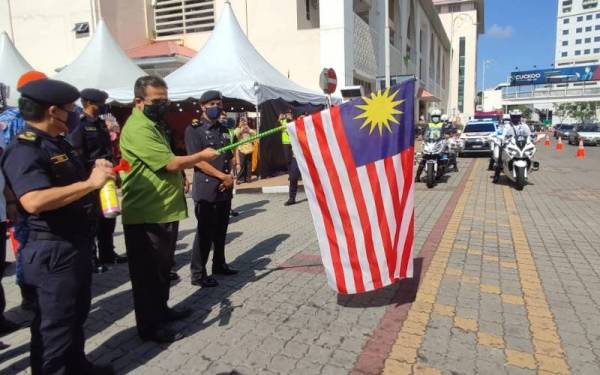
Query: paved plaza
(506, 282)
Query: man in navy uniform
(57, 191)
(212, 191)
(92, 141)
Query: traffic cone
(547, 141)
(559, 145)
(580, 150)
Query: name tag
(61, 158)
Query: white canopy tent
(12, 66)
(102, 65)
(230, 63)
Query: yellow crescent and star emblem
(379, 111)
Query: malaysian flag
(356, 161)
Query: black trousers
(2, 266)
(293, 170)
(150, 249)
(211, 230)
(60, 272)
(105, 231)
(245, 166)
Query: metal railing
(553, 93)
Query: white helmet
(516, 112)
(515, 116)
(506, 116)
(435, 112)
(445, 117)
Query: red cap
(32, 75)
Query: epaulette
(27, 136)
(195, 122)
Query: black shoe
(290, 202)
(100, 268)
(3, 345)
(233, 213)
(173, 276)
(205, 281)
(224, 269)
(114, 259)
(163, 335)
(6, 327)
(101, 370)
(177, 314)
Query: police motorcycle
(517, 158)
(435, 154)
(497, 140)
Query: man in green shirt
(153, 203)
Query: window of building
(586, 52)
(588, 17)
(579, 30)
(183, 17)
(567, 2)
(565, 42)
(461, 74)
(565, 32)
(454, 8)
(588, 40)
(596, 50)
(564, 54)
(431, 58)
(81, 29)
(566, 10)
(577, 41)
(577, 53)
(580, 18)
(597, 39)
(308, 14)
(588, 28)
(597, 27)
(597, 15)
(566, 21)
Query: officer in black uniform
(57, 191)
(212, 191)
(91, 140)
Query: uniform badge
(91, 128)
(60, 158)
(195, 122)
(27, 136)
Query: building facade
(298, 37)
(463, 21)
(577, 33)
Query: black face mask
(156, 112)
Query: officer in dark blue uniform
(92, 141)
(212, 191)
(57, 192)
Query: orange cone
(559, 145)
(580, 150)
(547, 141)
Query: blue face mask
(72, 121)
(213, 113)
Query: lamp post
(386, 36)
(486, 62)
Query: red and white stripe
(363, 216)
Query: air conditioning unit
(352, 92)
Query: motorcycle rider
(516, 127)
(498, 140)
(435, 125)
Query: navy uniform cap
(94, 95)
(50, 91)
(210, 95)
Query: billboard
(559, 75)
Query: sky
(518, 33)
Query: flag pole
(251, 139)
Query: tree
(582, 112)
(560, 111)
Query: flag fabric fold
(356, 161)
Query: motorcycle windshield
(432, 135)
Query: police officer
(54, 187)
(293, 170)
(91, 140)
(212, 191)
(438, 127)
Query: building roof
(160, 49)
(478, 5)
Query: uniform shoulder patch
(195, 122)
(60, 158)
(27, 136)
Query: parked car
(589, 133)
(564, 131)
(475, 137)
(555, 130)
